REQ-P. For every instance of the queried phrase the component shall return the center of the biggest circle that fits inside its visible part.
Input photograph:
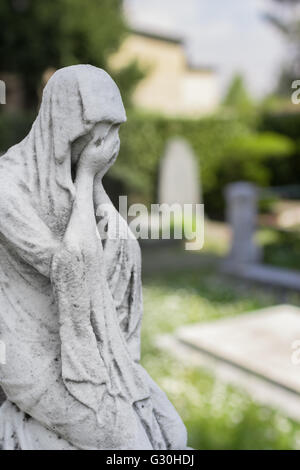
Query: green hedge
(286, 171)
(228, 149)
(13, 128)
(286, 123)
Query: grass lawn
(217, 416)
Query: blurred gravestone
(179, 180)
(258, 351)
(241, 209)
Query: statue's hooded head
(75, 101)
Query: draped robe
(71, 318)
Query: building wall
(199, 92)
(170, 87)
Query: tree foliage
(237, 96)
(287, 20)
(227, 149)
(36, 34)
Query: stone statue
(71, 302)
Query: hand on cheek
(100, 152)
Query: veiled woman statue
(70, 301)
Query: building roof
(191, 63)
(161, 36)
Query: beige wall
(170, 87)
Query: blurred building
(173, 84)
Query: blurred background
(210, 88)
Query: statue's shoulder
(12, 187)
(12, 167)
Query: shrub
(227, 148)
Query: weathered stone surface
(265, 343)
(260, 389)
(71, 304)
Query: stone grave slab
(263, 343)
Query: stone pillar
(241, 214)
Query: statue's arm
(76, 404)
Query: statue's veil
(74, 100)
